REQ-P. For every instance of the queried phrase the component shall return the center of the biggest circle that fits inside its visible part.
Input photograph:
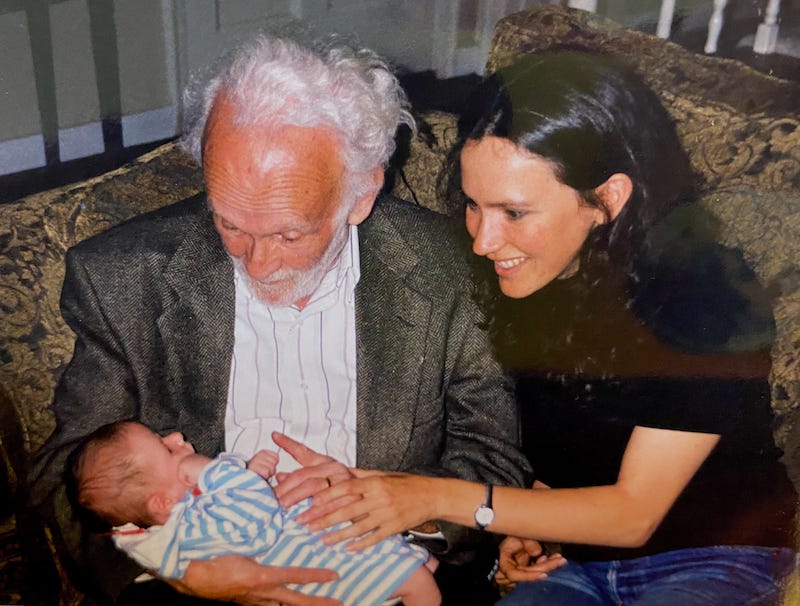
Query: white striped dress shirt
(294, 371)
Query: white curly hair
(276, 81)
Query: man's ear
(364, 204)
(615, 193)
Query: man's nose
(262, 258)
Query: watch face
(484, 516)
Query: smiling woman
(640, 349)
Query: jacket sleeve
(467, 424)
(482, 434)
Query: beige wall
(136, 64)
(18, 101)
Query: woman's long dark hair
(590, 116)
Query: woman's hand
(524, 560)
(380, 505)
(240, 580)
(319, 471)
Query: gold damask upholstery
(739, 127)
(35, 233)
(35, 343)
(663, 64)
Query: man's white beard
(287, 286)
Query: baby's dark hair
(103, 480)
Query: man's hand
(524, 560)
(263, 463)
(237, 579)
(318, 472)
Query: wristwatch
(484, 515)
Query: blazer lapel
(391, 330)
(198, 333)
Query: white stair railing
(767, 33)
(766, 37)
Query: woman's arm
(656, 466)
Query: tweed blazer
(151, 303)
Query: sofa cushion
(765, 226)
(421, 159)
(731, 149)
(664, 65)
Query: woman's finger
(308, 481)
(319, 511)
(299, 452)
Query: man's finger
(299, 574)
(288, 597)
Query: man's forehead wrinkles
(269, 220)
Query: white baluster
(665, 18)
(715, 26)
(767, 33)
(586, 5)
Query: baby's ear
(159, 505)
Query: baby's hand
(263, 463)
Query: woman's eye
(514, 214)
(471, 204)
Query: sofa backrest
(35, 233)
(740, 128)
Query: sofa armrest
(44, 579)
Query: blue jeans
(708, 576)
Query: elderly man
(290, 297)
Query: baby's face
(162, 457)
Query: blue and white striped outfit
(237, 513)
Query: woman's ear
(363, 205)
(615, 193)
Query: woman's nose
(487, 238)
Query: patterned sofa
(740, 127)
